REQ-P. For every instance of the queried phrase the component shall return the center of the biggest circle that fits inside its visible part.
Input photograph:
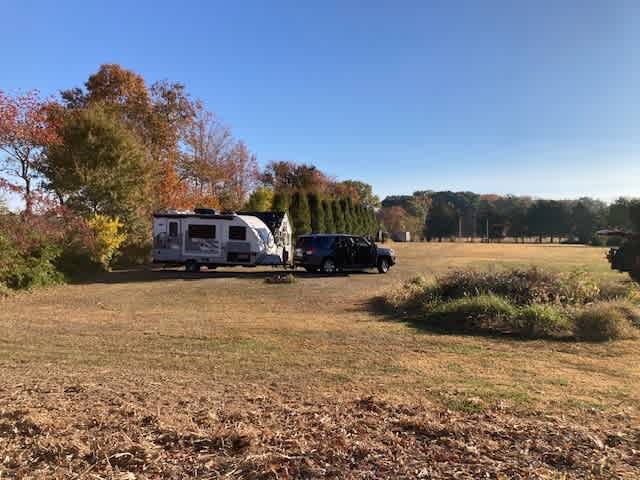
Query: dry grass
(174, 375)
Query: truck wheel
(329, 266)
(383, 265)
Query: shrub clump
(601, 322)
(521, 286)
(482, 312)
(48, 248)
(528, 303)
(536, 321)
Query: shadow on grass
(149, 274)
(444, 326)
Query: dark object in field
(281, 278)
(626, 257)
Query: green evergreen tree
(338, 216)
(351, 219)
(260, 200)
(346, 212)
(373, 221)
(280, 202)
(329, 224)
(317, 213)
(300, 214)
(361, 224)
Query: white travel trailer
(208, 238)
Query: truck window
(201, 231)
(237, 233)
(324, 242)
(362, 242)
(173, 229)
(304, 243)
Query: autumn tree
(289, 176)
(393, 218)
(416, 208)
(359, 192)
(219, 170)
(98, 166)
(157, 115)
(25, 130)
(122, 91)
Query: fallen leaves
(270, 434)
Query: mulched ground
(154, 431)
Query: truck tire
(383, 265)
(329, 266)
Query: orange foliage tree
(25, 130)
(219, 171)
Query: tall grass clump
(537, 321)
(602, 322)
(530, 303)
(482, 312)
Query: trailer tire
(192, 266)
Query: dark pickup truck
(330, 253)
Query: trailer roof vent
(205, 211)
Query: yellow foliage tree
(108, 235)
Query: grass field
(163, 374)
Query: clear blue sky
(525, 97)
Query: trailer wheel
(192, 266)
(383, 265)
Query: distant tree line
(438, 215)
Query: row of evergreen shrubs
(312, 214)
(531, 303)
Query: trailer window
(237, 233)
(173, 229)
(202, 231)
